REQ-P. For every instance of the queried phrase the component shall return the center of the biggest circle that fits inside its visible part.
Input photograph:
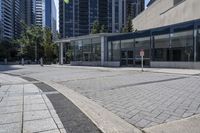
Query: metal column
(61, 53)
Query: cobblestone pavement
(143, 99)
(24, 108)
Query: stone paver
(23, 108)
(143, 99)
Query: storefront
(171, 46)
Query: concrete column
(61, 53)
(102, 50)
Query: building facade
(6, 19)
(78, 16)
(173, 42)
(45, 14)
(174, 46)
(12, 13)
(167, 12)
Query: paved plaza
(143, 99)
(25, 108)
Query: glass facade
(87, 49)
(161, 47)
(178, 43)
(198, 44)
(182, 46)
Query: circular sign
(142, 52)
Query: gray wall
(163, 12)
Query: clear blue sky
(56, 2)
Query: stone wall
(163, 13)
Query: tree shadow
(4, 68)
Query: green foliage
(98, 28)
(8, 50)
(36, 42)
(50, 49)
(69, 55)
(129, 26)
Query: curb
(105, 120)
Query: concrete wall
(112, 64)
(163, 13)
(189, 65)
(85, 63)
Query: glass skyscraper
(78, 16)
(6, 19)
(45, 14)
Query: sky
(56, 2)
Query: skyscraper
(12, 13)
(77, 17)
(6, 19)
(121, 10)
(45, 14)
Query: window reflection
(127, 44)
(161, 47)
(198, 45)
(181, 48)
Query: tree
(102, 30)
(129, 26)
(96, 27)
(50, 52)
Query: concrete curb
(105, 120)
(188, 125)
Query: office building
(173, 43)
(45, 14)
(12, 13)
(6, 19)
(78, 16)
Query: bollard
(22, 61)
(5, 61)
(41, 61)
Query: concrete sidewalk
(156, 70)
(24, 108)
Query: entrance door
(127, 58)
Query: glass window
(110, 51)
(78, 50)
(116, 51)
(96, 49)
(87, 50)
(127, 44)
(161, 48)
(198, 44)
(142, 43)
(182, 47)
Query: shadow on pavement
(4, 68)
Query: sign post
(142, 59)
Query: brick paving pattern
(142, 99)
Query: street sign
(141, 52)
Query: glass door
(127, 58)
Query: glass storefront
(115, 50)
(96, 49)
(161, 47)
(142, 44)
(198, 44)
(173, 44)
(182, 46)
(87, 49)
